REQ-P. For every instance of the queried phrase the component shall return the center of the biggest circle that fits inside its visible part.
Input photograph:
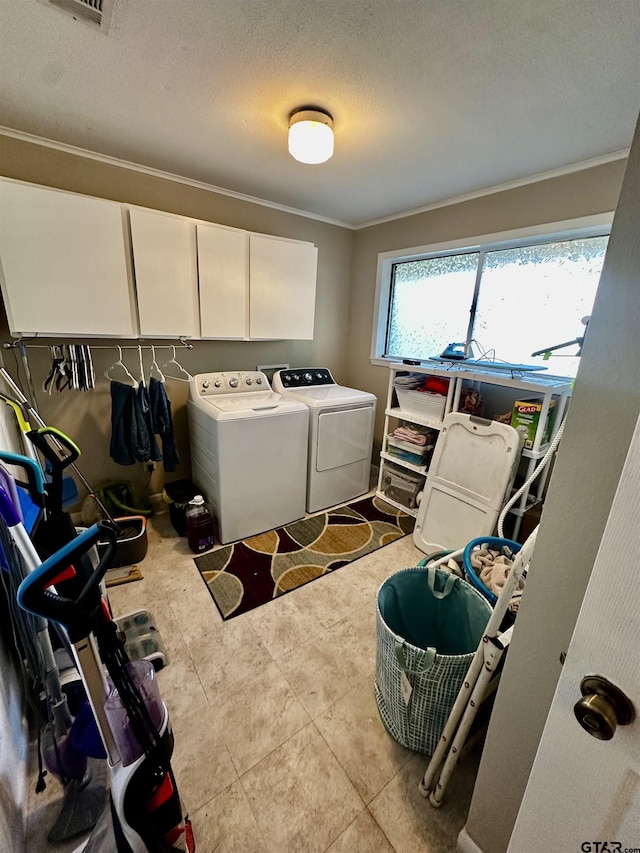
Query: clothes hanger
(186, 377)
(120, 363)
(155, 366)
(142, 379)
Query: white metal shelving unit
(548, 388)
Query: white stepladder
(479, 682)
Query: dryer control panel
(305, 377)
(240, 382)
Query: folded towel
(415, 434)
(411, 437)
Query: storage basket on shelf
(428, 624)
(506, 547)
(421, 403)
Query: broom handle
(34, 414)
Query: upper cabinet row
(67, 268)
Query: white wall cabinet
(166, 274)
(282, 288)
(63, 263)
(223, 272)
(68, 268)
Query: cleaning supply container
(429, 624)
(200, 534)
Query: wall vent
(98, 13)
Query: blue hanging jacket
(163, 423)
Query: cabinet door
(282, 288)
(223, 275)
(63, 263)
(166, 273)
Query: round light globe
(311, 136)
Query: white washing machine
(248, 452)
(340, 434)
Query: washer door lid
(344, 437)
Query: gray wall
(86, 417)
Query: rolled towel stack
(415, 434)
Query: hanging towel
(163, 423)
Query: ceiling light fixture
(311, 135)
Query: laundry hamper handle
(449, 584)
(427, 661)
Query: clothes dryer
(248, 452)
(340, 434)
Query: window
(506, 298)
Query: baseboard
(466, 844)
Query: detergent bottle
(199, 525)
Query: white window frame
(586, 226)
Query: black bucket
(131, 545)
(177, 495)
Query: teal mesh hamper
(429, 624)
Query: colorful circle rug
(249, 573)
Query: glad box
(526, 419)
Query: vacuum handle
(35, 595)
(50, 448)
(34, 474)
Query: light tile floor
(279, 745)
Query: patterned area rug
(249, 573)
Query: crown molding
(511, 185)
(159, 173)
(447, 202)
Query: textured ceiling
(431, 98)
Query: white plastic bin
(422, 403)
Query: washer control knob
(217, 383)
(259, 380)
(248, 381)
(308, 377)
(205, 384)
(319, 375)
(296, 376)
(233, 383)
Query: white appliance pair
(262, 456)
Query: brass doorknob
(603, 707)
